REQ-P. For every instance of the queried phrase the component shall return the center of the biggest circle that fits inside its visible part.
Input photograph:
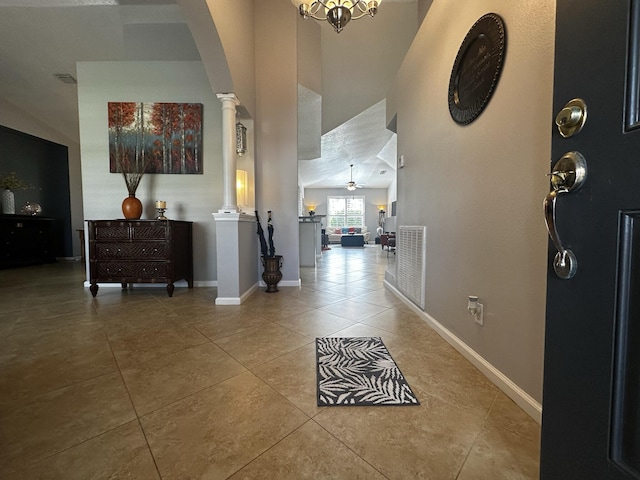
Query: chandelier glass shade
(337, 12)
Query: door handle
(569, 173)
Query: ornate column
(229, 102)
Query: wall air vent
(411, 250)
(65, 78)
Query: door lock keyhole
(572, 117)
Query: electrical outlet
(479, 315)
(476, 309)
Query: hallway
(134, 384)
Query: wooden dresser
(140, 251)
(26, 240)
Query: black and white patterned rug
(359, 371)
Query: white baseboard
(236, 300)
(178, 284)
(499, 379)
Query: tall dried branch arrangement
(132, 172)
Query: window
(345, 212)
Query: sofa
(336, 233)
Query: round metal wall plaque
(477, 68)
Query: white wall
(13, 117)
(189, 197)
(479, 188)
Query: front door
(591, 400)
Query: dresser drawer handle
(155, 250)
(154, 270)
(119, 270)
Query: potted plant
(9, 183)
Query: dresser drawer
(143, 251)
(140, 270)
(112, 232)
(149, 232)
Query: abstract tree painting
(159, 137)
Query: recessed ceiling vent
(65, 78)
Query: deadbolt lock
(572, 117)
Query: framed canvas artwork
(155, 137)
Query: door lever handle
(569, 173)
(565, 263)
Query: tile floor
(134, 384)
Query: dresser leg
(170, 289)
(93, 289)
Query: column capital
(228, 97)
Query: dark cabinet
(26, 240)
(140, 251)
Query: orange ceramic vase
(132, 207)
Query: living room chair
(388, 241)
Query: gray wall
(44, 166)
(189, 197)
(13, 117)
(479, 188)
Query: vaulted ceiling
(41, 38)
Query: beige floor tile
(51, 423)
(381, 296)
(294, 376)
(500, 454)
(401, 321)
(316, 298)
(188, 314)
(7, 321)
(507, 415)
(27, 324)
(32, 373)
(283, 310)
(34, 342)
(173, 377)
(219, 326)
(120, 453)
(66, 406)
(363, 330)
(348, 290)
(429, 441)
(316, 323)
(309, 453)
(260, 345)
(443, 373)
(216, 432)
(153, 344)
(353, 310)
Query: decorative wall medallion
(477, 68)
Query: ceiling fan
(351, 185)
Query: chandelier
(337, 12)
(351, 185)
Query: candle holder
(161, 214)
(161, 207)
